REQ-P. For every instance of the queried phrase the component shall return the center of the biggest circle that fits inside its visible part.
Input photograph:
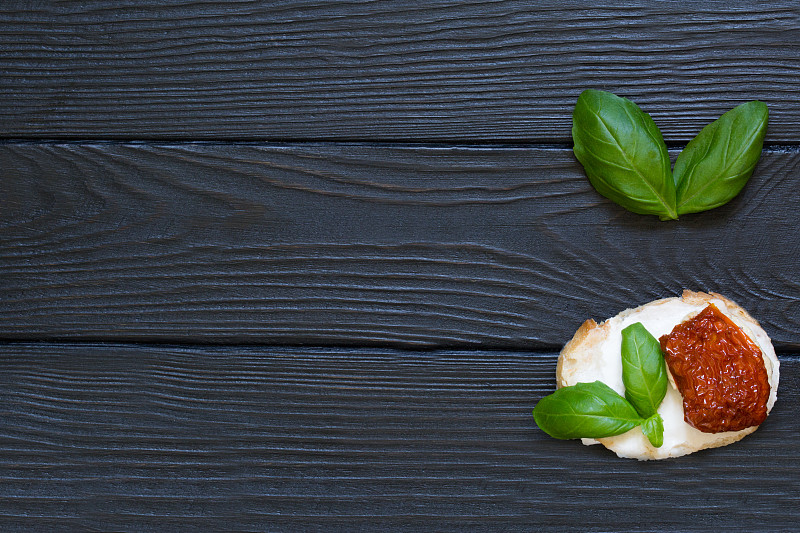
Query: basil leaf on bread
(595, 410)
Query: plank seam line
(177, 344)
(489, 143)
(439, 143)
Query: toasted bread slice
(594, 354)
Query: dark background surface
(307, 266)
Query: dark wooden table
(298, 266)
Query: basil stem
(623, 153)
(585, 410)
(644, 371)
(716, 164)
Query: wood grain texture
(120, 437)
(354, 244)
(396, 70)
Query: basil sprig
(595, 410)
(626, 160)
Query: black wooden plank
(385, 69)
(123, 437)
(353, 244)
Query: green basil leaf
(653, 429)
(716, 164)
(644, 371)
(623, 153)
(585, 410)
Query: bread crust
(584, 351)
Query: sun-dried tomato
(719, 372)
